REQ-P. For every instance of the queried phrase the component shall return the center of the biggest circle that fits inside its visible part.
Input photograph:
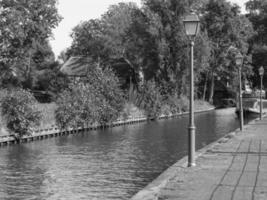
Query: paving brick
(248, 179)
(223, 193)
(243, 193)
(231, 178)
(262, 180)
(260, 193)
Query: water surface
(104, 164)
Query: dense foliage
(226, 29)
(25, 27)
(18, 108)
(142, 44)
(138, 55)
(257, 14)
(151, 100)
(96, 98)
(149, 44)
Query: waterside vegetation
(137, 60)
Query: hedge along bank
(55, 131)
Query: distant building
(76, 66)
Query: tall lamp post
(261, 72)
(239, 62)
(191, 24)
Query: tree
(165, 24)
(129, 39)
(143, 44)
(32, 22)
(51, 80)
(225, 27)
(119, 39)
(89, 40)
(40, 58)
(257, 14)
(62, 58)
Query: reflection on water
(104, 164)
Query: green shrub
(18, 109)
(95, 99)
(151, 100)
(184, 103)
(131, 111)
(166, 109)
(174, 104)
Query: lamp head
(239, 59)
(261, 71)
(191, 24)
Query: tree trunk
(98, 62)
(205, 87)
(134, 78)
(211, 88)
(28, 72)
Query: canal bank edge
(151, 191)
(41, 134)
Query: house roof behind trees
(75, 66)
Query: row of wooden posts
(55, 132)
(7, 140)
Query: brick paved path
(234, 169)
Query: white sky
(75, 11)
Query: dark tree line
(140, 44)
(137, 54)
(149, 44)
(26, 57)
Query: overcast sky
(75, 11)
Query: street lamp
(239, 62)
(261, 72)
(191, 24)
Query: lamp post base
(261, 100)
(240, 100)
(191, 165)
(191, 146)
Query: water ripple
(108, 164)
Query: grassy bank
(202, 105)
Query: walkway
(235, 168)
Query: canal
(104, 164)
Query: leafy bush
(48, 114)
(94, 99)
(166, 109)
(173, 105)
(19, 111)
(151, 99)
(184, 103)
(131, 111)
(72, 110)
(52, 81)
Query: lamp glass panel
(191, 28)
(261, 71)
(238, 60)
